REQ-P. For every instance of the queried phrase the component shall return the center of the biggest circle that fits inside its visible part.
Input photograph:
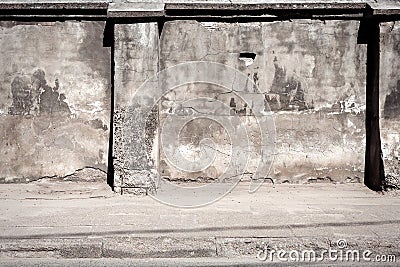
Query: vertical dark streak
(109, 41)
(374, 172)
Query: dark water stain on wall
(97, 124)
(36, 97)
(286, 93)
(391, 108)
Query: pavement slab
(64, 219)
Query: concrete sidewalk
(87, 220)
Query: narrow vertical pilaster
(374, 172)
(108, 41)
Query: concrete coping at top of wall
(160, 8)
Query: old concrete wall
(312, 74)
(327, 139)
(320, 130)
(54, 99)
(390, 100)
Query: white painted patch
(351, 106)
(97, 106)
(247, 61)
(391, 146)
(190, 152)
(146, 34)
(214, 26)
(350, 124)
(80, 33)
(211, 26)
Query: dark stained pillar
(374, 172)
(108, 41)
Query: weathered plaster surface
(136, 60)
(55, 99)
(390, 100)
(311, 73)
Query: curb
(108, 247)
(170, 247)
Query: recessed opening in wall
(247, 57)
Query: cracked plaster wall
(390, 100)
(312, 74)
(55, 99)
(55, 90)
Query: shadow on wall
(391, 109)
(36, 97)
